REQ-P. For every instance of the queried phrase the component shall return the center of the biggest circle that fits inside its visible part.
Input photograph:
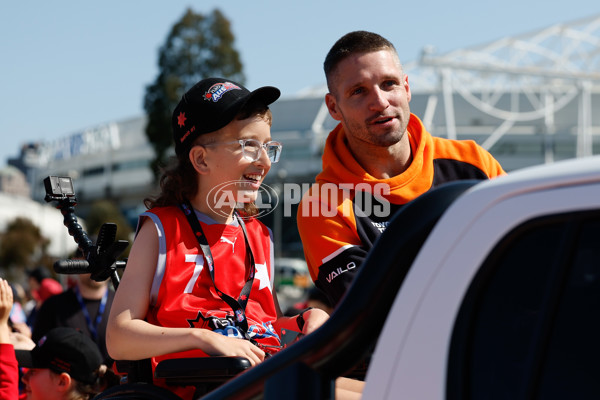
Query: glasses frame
(254, 157)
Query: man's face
(370, 96)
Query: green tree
(197, 47)
(22, 245)
(103, 211)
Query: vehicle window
(571, 368)
(528, 325)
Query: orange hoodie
(340, 217)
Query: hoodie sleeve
(332, 246)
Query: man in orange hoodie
(378, 158)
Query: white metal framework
(517, 80)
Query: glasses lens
(274, 151)
(252, 149)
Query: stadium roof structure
(517, 79)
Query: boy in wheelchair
(199, 276)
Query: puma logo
(230, 242)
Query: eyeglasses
(251, 149)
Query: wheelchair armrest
(188, 371)
(139, 371)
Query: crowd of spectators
(46, 307)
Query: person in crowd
(199, 278)
(84, 306)
(65, 364)
(41, 287)
(378, 158)
(18, 316)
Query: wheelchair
(204, 373)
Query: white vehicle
(499, 298)
(503, 300)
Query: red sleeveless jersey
(183, 293)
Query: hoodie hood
(340, 166)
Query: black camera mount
(100, 260)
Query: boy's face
(233, 177)
(39, 382)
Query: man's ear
(332, 107)
(407, 88)
(197, 157)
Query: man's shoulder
(459, 149)
(463, 143)
(465, 155)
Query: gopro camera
(59, 187)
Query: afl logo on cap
(216, 91)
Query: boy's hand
(6, 303)
(220, 345)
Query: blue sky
(68, 65)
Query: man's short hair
(354, 43)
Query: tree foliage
(22, 245)
(198, 46)
(103, 211)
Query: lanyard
(93, 327)
(238, 306)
